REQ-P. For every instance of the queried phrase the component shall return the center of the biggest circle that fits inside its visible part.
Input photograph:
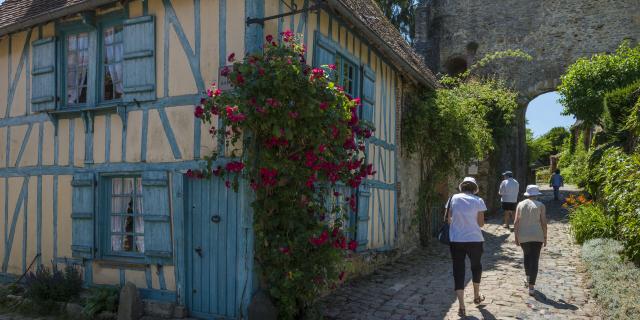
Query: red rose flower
(324, 105)
(353, 245)
(199, 112)
(269, 38)
(231, 57)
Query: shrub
(53, 284)
(615, 281)
(102, 299)
(618, 105)
(589, 221)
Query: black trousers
(459, 252)
(531, 252)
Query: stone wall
(455, 33)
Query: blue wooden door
(213, 220)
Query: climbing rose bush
(302, 141)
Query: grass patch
(615, 280)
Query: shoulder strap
(448, 208)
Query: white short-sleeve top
(464, 218)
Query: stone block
(262, 308)
(130, 306)
(158, 309)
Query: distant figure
(556, 182)
(509, 189)
(465, 214)
(530, 229)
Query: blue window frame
(121, 221)
(346, 74)
(91, 61)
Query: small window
(346, 74)
(126, 223)
(112, 88)
(77, 58)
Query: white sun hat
(532, 190)
(469, 180)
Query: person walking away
(556, 181)
(509, 189)
(465, 214)
(530, 229)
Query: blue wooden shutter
(368, 94)
(83, 215)
(325, 52)
(139, 76)
(43, 75)
(157, 217)
(366, 113)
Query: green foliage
(618, 106)
(539, 148)
(587, 81)
(401, 13)
(589, 221)
(101, 299)
(575, 165)
(498, 55)
(452, 126)
(53, 284)
(617, 177)
(633, 127)
(302, 140)
(615, 281)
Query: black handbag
(443, 234)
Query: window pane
(108, 84)
(83, 40)
(139, 224)
(71, 42)
(128, 186)
(139, 244)
(116, 186)
(112, 72)
(108, 35)
(139, 208)
(116, 243)
(116, 223)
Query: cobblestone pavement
(420, 285)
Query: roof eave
(412, 73)
(53, 14)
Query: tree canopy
(401, 13)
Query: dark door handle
(199, 251)
(215, 218)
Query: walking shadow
(560, 304)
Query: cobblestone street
(420, 286)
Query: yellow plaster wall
(78, 143)
(135, 9)
(181, 120)
(115, 148)
(158, 147)
(32, 219)
(48, 141)
(103, 275)
(137, 277)
(99, 139)
(209, 41)
(156, 8)
(17, 136)
(15, 258)
(169, 278)
(47, 219)
(235, 28)
(2, 202)
(184, 11)
(3, 145)
(18, 107)
(63, 142)
(30, 155)
(181, 80)
(134, 136)
(4, 77)
(64, 216)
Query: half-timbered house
(97, 131)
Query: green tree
(401, 13)
(539, 148)
(586, 82)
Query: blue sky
(544, 113)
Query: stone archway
(554, 32)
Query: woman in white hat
(465, 213)
(531, 233)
